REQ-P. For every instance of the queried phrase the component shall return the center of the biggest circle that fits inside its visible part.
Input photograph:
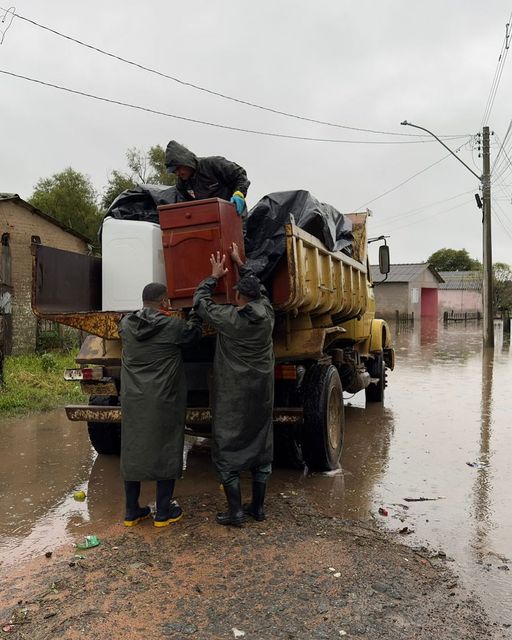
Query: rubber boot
(235, 515)
(167, 510)
(134, 512)
(255, 509)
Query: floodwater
(448, 403)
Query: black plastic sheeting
(265, 239)
(140, 203)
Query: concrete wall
(459, 300)
(403, 296)
(21, 224)
(389, 297)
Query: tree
(145, 167)
(70, 197)
(502, 286)
(453, 260)
(117, 183)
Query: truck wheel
(105, 437)
(287, 449)
(377, 369)
(324, 418)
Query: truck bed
(310, 282)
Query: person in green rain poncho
(153, 402)
(243, 386)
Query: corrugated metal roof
(461, 280)
(14, 197)
(405, 272)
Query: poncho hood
(255, 311)
(145, 323)
(177, 155)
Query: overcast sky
(367, 64)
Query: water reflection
(45, 458)
(448, 403)
(452, 406)
(350, 493)
(429, 331)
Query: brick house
(21, 224)
(461, 291)
(409, 288)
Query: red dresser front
(191, 232)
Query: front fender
(380, 336)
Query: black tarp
(140, 203)
(265, 240)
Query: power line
(505, 227)
(497, 74)
(8, 11)
(437, 213)
(401, 184)
(204, 122)
(504, 164)
(416, 211)
(501, 146)
(206, 90)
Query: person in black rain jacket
(210, 177)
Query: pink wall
(459, 300)
(428, 303)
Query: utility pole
(485, 181)
(487, 242)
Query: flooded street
(448, 403)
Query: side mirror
(384, 258)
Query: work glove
(238, 200)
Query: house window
(415, 295)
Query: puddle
(448, 404)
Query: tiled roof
(405, 272)
(461, 280)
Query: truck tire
(287, 449)
(377, 369)
(324, 418)
(105, 437)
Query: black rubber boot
(235, 515)
(255, 509)
(134, 512)
(167, 510)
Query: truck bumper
(196, 417)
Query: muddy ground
(298, 576)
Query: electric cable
(437, 213)
(501, 146)
(210, 91)
(496, 205)
(418, 210)
(205, 122)
(401, 184)
(497, 74)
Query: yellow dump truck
(327, 341)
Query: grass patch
(36, 383)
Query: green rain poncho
(243, 379)
(153, 394)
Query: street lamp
(485, 181)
